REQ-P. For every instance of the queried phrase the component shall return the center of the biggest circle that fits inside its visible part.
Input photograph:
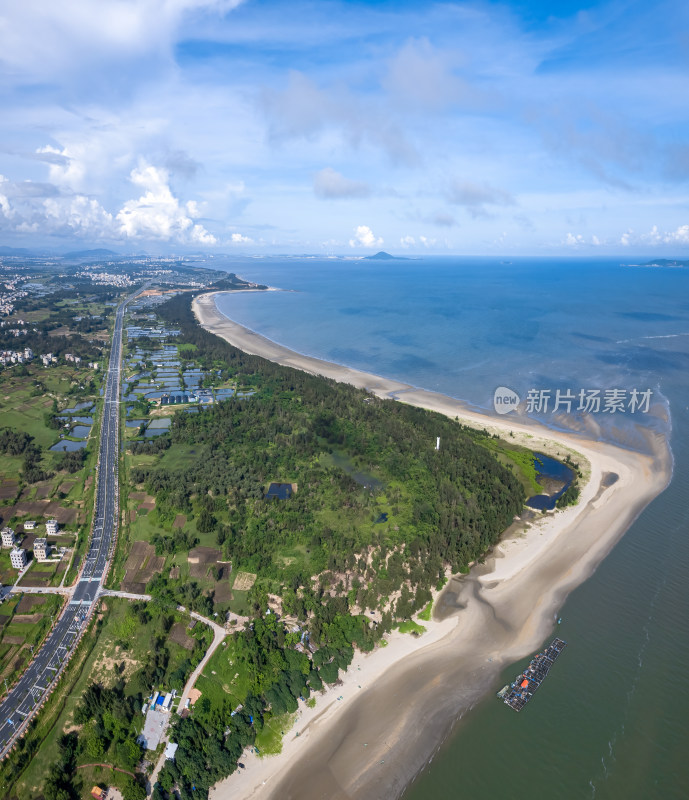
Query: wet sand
(400, 702)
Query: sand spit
(399, 703)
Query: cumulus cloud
(578, 239)
(474, 197)
(5, 207)
(34, 207)
(80, 215)
(28, 207)
(681, 235)
(331, 185)
(407, 241)
(158, 214)
(238, 238)
(364, 237)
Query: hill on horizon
(383, 256)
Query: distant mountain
(97, 253)
(383, 256)
(14, 251)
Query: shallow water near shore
(610, 719)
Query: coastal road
(25, 697)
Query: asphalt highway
(17, 707)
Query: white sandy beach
(369, 743)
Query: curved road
(25, 697)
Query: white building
(41, 549)
(8, 539)
(18, 558)
(51, 527)
(29, 525)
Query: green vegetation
(332, 550)
(269, 741)
(443, 507)
(425, 615)
(133, 648)
(409, 626)
(519, 460)
(569, 497)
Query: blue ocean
(612, 720)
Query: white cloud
(331, 185)
(407, 241)
(79, 215)
(426, 242)
(681, 235)
(5, 207)
(51, 155)
(625, 238)
(238, 238)
(42, 38)
(574, 240)
(157, 214)
(364, 237)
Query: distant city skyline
(345, 127)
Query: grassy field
(519, 460)
(225, 677)
(269, 740)
(409, 626)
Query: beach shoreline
(369, 744)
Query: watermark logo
(567, 401)
(588, 401)
(505, 400)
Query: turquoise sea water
(611, 719)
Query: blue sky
(345, 127)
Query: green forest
(375, 517)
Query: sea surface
(612, 719)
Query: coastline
(412, 691)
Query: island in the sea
(383, 256)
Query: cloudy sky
(345, 127)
